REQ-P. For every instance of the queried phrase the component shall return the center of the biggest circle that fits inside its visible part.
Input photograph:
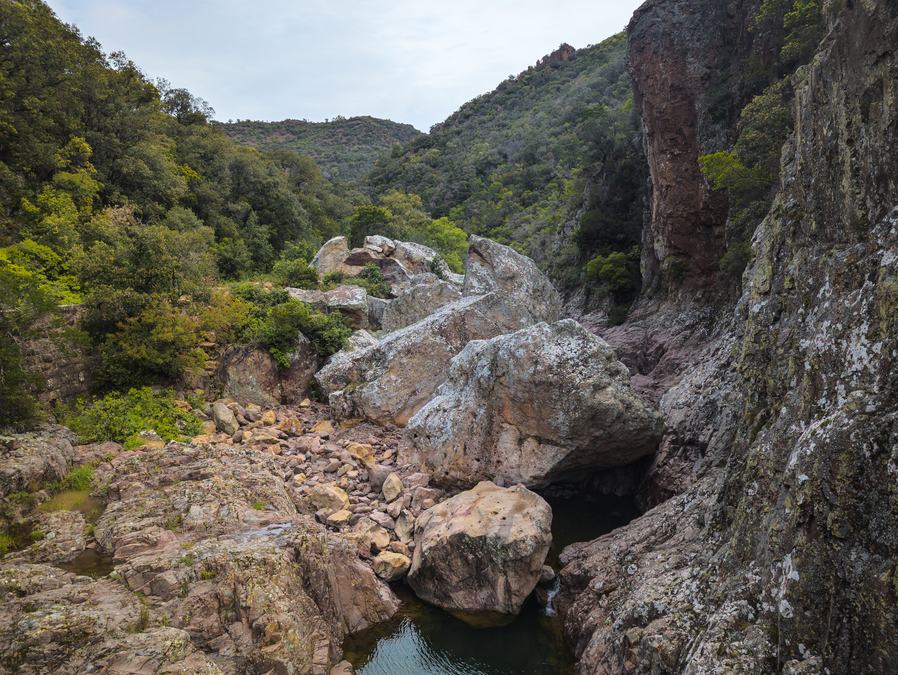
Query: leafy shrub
(372, 280)
(118, 416)
(78, 478)
(275, 321)
(613, 270)
(260, 296)
(280, 325)
(299, 250)
(160, 344)
(296, 273)
(368, 220)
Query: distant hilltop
(344, 148)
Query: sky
(414, 61)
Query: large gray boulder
(494, 267)
(480, 553)
(417, 302)
(389, 381)
(533, 407)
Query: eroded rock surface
(31, 459)
(253, 376)
(390, 381)
(780, 552)
(417, 302)
(542, 404)
(480, 553)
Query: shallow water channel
(424, 640)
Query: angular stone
(328, 496)
(392, 487)
(391, 566)
(224, 419)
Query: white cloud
(411, 61)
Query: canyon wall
(687, 65)
(780, 552)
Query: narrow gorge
(415, 466)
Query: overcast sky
(412, 61)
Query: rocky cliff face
(779, 553)
(685, 60)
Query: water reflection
(424, 640)
(89, 563)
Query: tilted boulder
(350, 301)
(417, 302)
(480, 553)
(391, 380)
(533, 407)
(494, 267)
(330, 257)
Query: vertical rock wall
(781, 553)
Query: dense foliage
(550, 162)
(402, 216)
(121, 416)
(345, 149)
(121, 193)
(270, 318)
(749, 171)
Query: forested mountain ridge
(549, 162)
(345, 148)
(117, 193)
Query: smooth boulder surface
(493, 267)
(391, 380)
(533, 407)
(417, 302)
(479, 554)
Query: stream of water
(424, 640)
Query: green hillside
(345, 149)
(549, 162)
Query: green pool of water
(424, 640)
(75, 500)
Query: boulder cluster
(273, 534)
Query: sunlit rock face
(479, 554)
(536, 406)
